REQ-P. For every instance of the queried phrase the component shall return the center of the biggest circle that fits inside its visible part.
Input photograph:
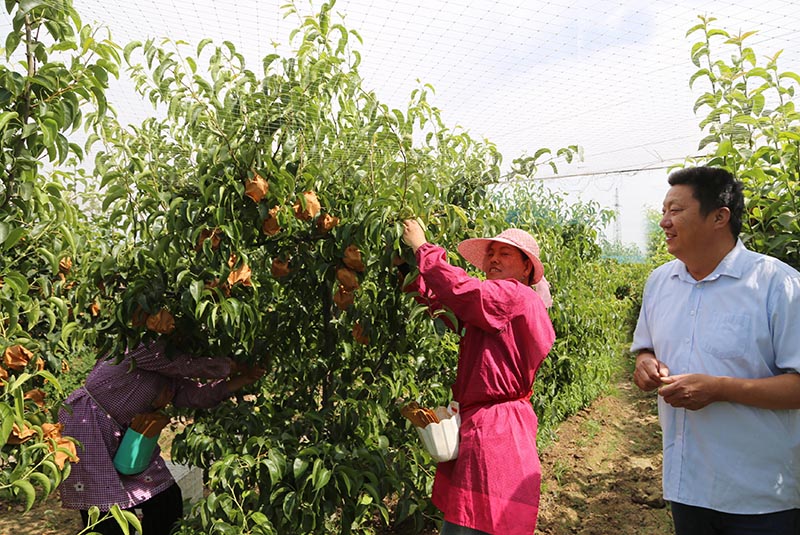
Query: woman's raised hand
(413, 235)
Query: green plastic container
(134, 453)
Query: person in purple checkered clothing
(99, 412)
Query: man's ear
(723, 216)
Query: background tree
(752, 128)
(52, 83)
(656, 244)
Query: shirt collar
(730, 266)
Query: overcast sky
(611, 76)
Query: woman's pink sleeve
(424, 295)
(488, 305)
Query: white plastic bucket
(441, 439)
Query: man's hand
(649, 371)
(690, 391)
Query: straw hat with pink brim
(474, 249)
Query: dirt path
(603, 474)
(601, 477)
(46, 518)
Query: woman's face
(506, 262)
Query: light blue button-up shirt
(742, 320)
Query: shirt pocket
(728, 336)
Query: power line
(593, 173)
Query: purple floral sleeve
(154, 358)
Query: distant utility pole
(617, 207)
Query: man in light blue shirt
(719, 337)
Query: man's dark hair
(714, 188)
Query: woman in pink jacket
(493, 485)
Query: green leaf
(67, 234)
(50, 378)
(320, 477)
(49, 130)
(372, 492)
(201, 45)
(13, 238)
(698, 74)
(759, 72)
(275, 467)
(7, 117)
(94, 515)
(541, 152)
(17, 282)
(745, 35)
(12, 42)
(64, 474)
(345, 478)
(268, 59)
(260, 519)
(6, 422)
(14, 385)
(790, 136)
(788, 220)
(25, 6)
(62, 307)
(26, 488)
(196, 290)
(758, 104)
(299, 467)
(132, 520)
(44, 481)
(49, 257)
(68, 329)
(697, 47)
(100, 100)
(745, 119)
(289, 505)
(121, 518)
(115, 193)
(695, 28)
(791, 76)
